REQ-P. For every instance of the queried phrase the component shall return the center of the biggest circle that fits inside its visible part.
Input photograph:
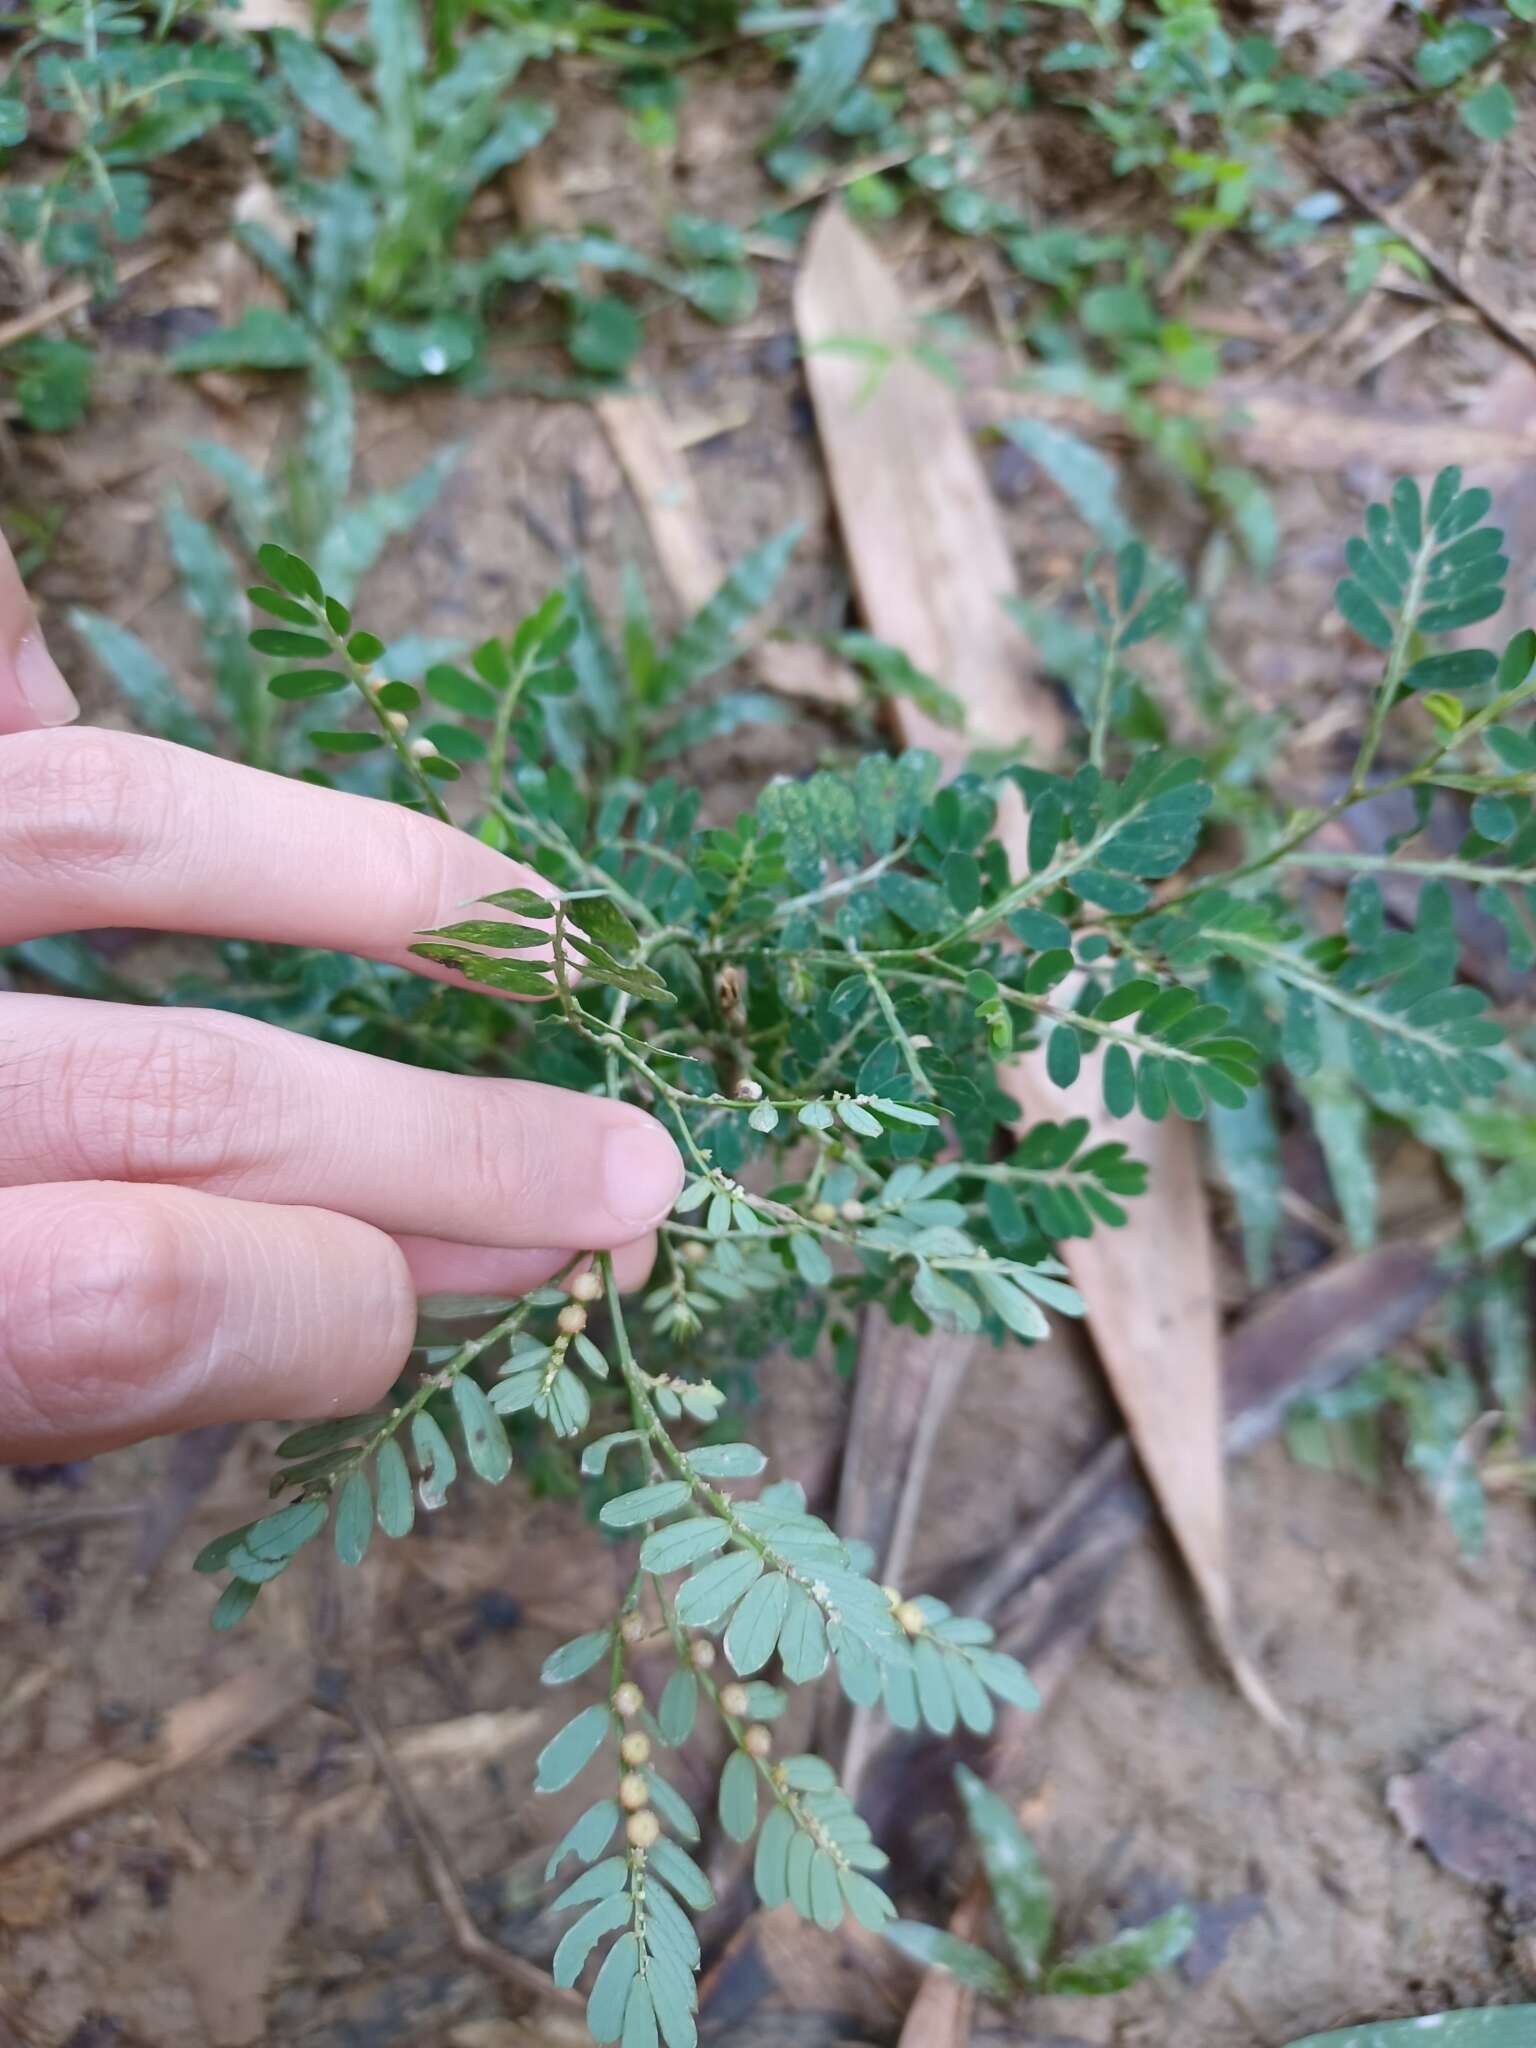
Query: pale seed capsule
(628, 1698)
(758, 1740)
(642, 1830)
(634, 1792)
(823, 1212)
(853, 1212)
(398, 722)
(702, 1654)
(419, 749)
(748, 1090)
(633, 1628)
(695, 1251)
(587, 1287)
(636, 1748)
(734, 1699)
(572, 1319)
(911, 1617)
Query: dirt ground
(274, 1892)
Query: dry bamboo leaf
(928, 553)
(658, 474)
(931, 565)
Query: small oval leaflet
(672, 1807)
(610, 1993)
(580, 1940)
(566, 1755)
(484, 1437)
(645, 1504)
(716, 1587)
(354, 1518)
(738, 1796)
(754, 1627)
(600, 1882)
(677, 1708)
(434, 1456)
(678, 1869)
(683, 1543)
(575, 1658)
(727, 1461)
(639, 2017)
(587, 1837)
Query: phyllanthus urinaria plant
(815, 1000)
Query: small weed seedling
(1025, 1908)
(389, 267)
(133, 85)
(307, 505)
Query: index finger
(109, 828)
(32, 691)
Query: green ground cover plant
(816, 999)
(819, 996)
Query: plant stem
(358, 675)
(1098, 735)
(1397, 662)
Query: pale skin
(205, 1219)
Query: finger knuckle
(506, 1160)
(81, 801)
(178, 1097)
(424, 856)
(93, 1299)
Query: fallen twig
(476, 1948)
(74, 296)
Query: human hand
(203, 1218)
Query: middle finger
(201, 1099)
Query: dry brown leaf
(1340, 29)
(931, 565)
(1473, 1806)
(228, 1934)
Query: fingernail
(51, 699)
(642, 1172)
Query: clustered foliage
(816, 999)
(379, 146)
(818, 996)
